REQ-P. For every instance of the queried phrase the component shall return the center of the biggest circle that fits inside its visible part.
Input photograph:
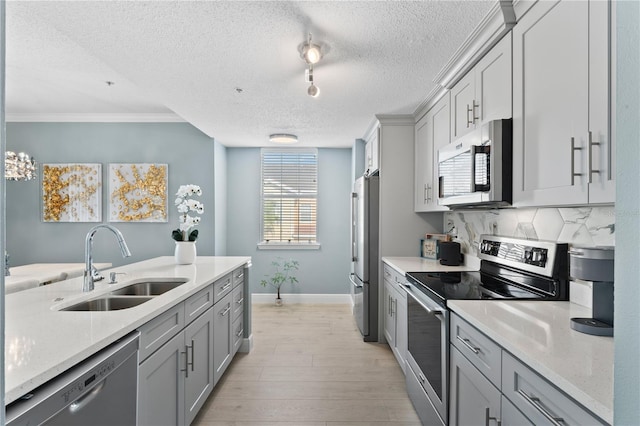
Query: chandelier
(19, 166)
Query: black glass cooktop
(481, 285)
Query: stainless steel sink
(107, 303)
(149, 288)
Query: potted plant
(283, 272)
(185, 237)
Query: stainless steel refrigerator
(364, 255)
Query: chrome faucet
(90, 272)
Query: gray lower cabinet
(474, 400)
(395, 319)
(161, 385)
(198, 340)
(489, 386)
(222, 339)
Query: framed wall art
(138, 192)
(72, 192)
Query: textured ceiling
(189, 58)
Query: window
(289, 196)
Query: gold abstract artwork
(138, 192)
(72, 192)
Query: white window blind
(289, 195)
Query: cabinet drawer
(238, 302)
(238, 330)
(195, 305)
(483, 352)
(222, 287)
(388, 273)
(540, 401)
(238, 277)
(159, 330)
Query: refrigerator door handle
(354, 227)
(355, 284)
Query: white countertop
(30, 276)
(420, 264)
(539, 334)
(41, 341)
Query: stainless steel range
(510, 269)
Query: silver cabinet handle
(469, 121)
(467, 343)
(473, 115)
(239, 301)
(488, 418)
(591, 169)
(226, 311)
(535, 401)
(186, 360)
(192, 353)
(239, 333)
(429, 193)
(574, 148)
(223, 288)
(241, 275)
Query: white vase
(185, 253)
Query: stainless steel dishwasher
(100, 390)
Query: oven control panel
(515, 252)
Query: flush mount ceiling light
(283, 138)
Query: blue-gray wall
(627, 294)
(188, 152)
(220, 176)
(323, 271)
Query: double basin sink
(129, 296)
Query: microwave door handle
(486, 151)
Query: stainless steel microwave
(476, 170)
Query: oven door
(428, 347)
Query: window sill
(288, 246)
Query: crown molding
(498, 21)
(432, 98)
(396, 119)
(94, 118)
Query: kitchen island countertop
(41, 341)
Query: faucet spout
(90, 272)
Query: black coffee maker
(595, 264)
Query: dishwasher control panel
(78, 387)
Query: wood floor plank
(309, 367)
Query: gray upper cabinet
(484, 93)
(563, 152)
(432, 132)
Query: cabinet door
(222, 342)
(493, 83)
(198, 340)
(423, 163)
(474, 400)
(551, 104)
(389, 320)
(464, 108)
(441, 124)
(161, 385)
(602, 188)
(401, 328)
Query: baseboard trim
(303, 298)
(247, 344)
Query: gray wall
(627, 294)
(188, 152)
(220, 176)
(323, 271)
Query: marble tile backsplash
(589, 226)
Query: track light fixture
(310, 52)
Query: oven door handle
(432, 311)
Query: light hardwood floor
(309, 367)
